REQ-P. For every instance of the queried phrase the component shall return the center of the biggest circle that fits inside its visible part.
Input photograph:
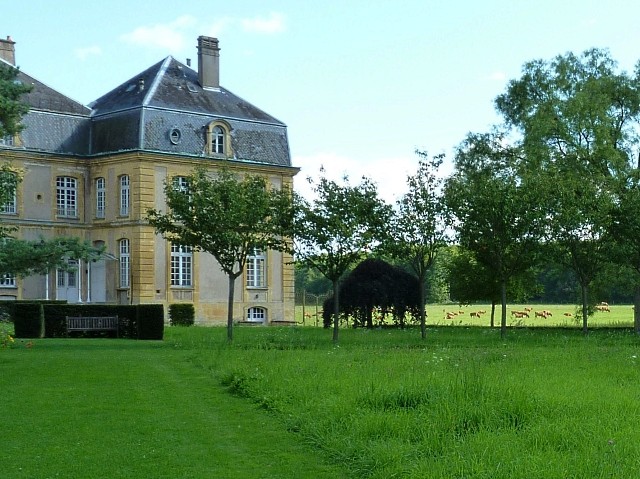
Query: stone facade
(93, 171)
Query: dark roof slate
(169, 84)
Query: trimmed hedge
(139, 321)
(28, 320)
(181, 314)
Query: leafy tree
(228, 217)
(497, 213)
(578, 119)
(336, 229)
(376, 285)
(417, 230)
(11, 107)
(25, 258)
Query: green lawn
(127, 409)
(287, 402)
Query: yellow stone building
(93, 172)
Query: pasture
(285, 402)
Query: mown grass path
(127, 409)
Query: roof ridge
(157, 80)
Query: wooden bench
(93, 323)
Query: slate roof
(140, 113)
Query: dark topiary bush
(150, 321)
(28, 320)
(181, 314)
(375, 285)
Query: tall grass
(542, 403)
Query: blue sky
(361, 84)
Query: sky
(360, 84)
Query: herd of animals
(524, 313)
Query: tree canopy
(335, 229)
(226, 216)
(12, 108)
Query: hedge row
(138, 321)
(181, 314)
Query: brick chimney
(8, 51)
(208, 63)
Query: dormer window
(218, 139)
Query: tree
(11, 107)
(228, 217)
(336, 229)
(496, 210)
(25, 258)
(417, 230)
(578, 121)
(375, 284)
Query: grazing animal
(521, 314)
(474, 314)
(568, 315)
(541, 314)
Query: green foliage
(578, 118)
(28, 320)
(11, 107)
(337, 228)
(141, 321)
(25, 258)
(181, 314)
(228, 217)
(417, 229)
(310, 280)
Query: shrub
(28, 320)
(181, 314)
(150, 321)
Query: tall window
(181, 265)
(6, 140)
(125, 262)
(100, 197)
(124, 195)
(257, 315)
(67, 196)
(10, 206)
(256, 262)
(7, 281)
(181, 183)
(217, 140)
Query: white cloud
(497, 76)
(168, 36)
(273, 23)
(218, 27)
(85, 52)
(389, 174)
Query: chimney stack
(208, 63)
(8, 50)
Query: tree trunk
(503, 298)
(636, 310)
(423, 313)
(336, 310)
(585, 308)
(493, 313)
(232, 284)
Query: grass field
(619, 315)
(286, 402)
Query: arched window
(256, 315)
(218, 139)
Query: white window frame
(67, 196)
(124, 249)
(256, 314)
(101, 197)
(7, 140)
(256, 269)
(11, 206)
(7, 281)
(125, 197)
(181, 267)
